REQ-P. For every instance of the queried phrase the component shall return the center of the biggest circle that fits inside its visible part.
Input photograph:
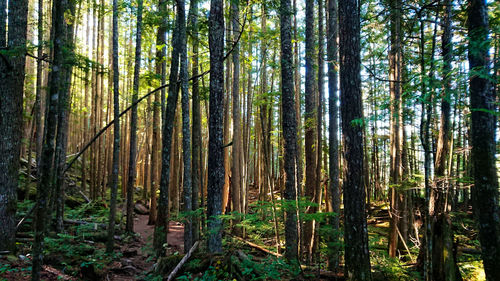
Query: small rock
(141, 209)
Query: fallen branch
(184, 259)
(25, 217)
(260, 248)
(77, 222)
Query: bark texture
(482, 102)
(11, 109)
(216, 171)
(289, 124)
(357, 256)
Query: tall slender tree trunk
(215, 124)
(395, 62)
(236, 159)
(357, 256)
(443, 265)
(161, 227)
(196, 130)
(485, 190)
(64, 108)
(160, 51)
(310, 125)
(116, 132)
(186, 129)
(11, 107)
(333, 128)
(289, 125)
(57, 91)
(129, 227)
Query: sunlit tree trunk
(129, 227)
(215, 123)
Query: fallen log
(260, 248)
(184, 259)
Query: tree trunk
(215, 123)
(310, 125)
(196, 130)
(160, 53)
(333, 128)
(129, 227)
(57, 90)
(395, 62)
(116, 133)
(289, 125)
(485, 190)
(236, 159)
(357, 257)
(11, 118)
(186, 129)
(161, 227)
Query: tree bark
(57, 91)
(11, 107)
(485, 190)
(357, 256)
(289, 125)
(161, 227)
(186, 129)
(215, 147)
(196, 130)
(333, 111)
(310, 119)
(236, 159)
(116, 133)
(129, 227)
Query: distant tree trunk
(161, 227)
(357, 256)
(320, 105)
(64, 108)
(196, 130)
(289, 125)
(485, 190)
(333, 111)
(395, 62)
(116, 133)
(160, 51)
(11, 107)
(57, 92)
(39, 81)
(186, 129)
(129, 227)
(300, 161)
(215, 123)
(236, 159)
(310, 124)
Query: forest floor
(79, 253)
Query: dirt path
(137, 259)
